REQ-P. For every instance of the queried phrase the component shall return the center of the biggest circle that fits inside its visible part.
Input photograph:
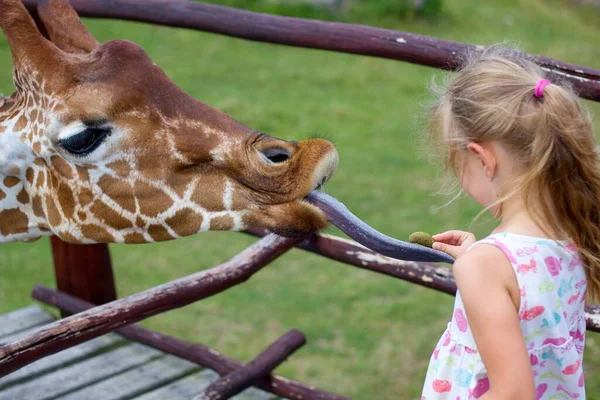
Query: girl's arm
(490, 294)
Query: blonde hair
(551, 138)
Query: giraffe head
(98, 145)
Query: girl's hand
(454, 243)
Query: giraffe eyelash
(86, 141)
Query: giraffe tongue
(351, 225)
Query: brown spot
(21, 123)
(13, 221)
(152, 200)
(40, 179)
(67, 237)
(185, 222)
(62, 167)
(120, 191)
(66, 200)
(53, 181)
(180, 181)
(149, 166)
(23, 197)
(109, 216)
(83, 173)
(222, 223)
(85, 197)
(2, 195)
(11, 181)
(39, 162)
(53, 214)
(209, 193)
(132, 238)
(34, 115)
(36, 203)
(37, 147)
(139, 222)
(121, 167)
(159, 233)
(82, 216)
(97, 233)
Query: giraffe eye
(85, 142)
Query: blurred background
(369, 336)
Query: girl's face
(479, 174)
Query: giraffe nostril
(276, 155)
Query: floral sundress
(552, 285)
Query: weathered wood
(85, 271)
(59, 360)
(430, 275)
(194, 352)
(184, 389)
(75, 376)
(76, 329)
(260, 367)
(22, 319)
(423, 274)
(347, 38)
(128, 384)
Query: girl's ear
(486, 157)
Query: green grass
(369, 337)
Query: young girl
(523, 147)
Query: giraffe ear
(27, 44)
(65, 27)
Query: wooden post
(84, 271)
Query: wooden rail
(194, 352)
(70, 331)
(240, 379)
(333, 36)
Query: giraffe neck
(21, 124)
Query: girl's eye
(85, 142)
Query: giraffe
(98, 145)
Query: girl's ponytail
(501, 95)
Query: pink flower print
(526, 251)
(584, 296)
(577, 335)
(525, 268)
(532, 313)
(436, 353)
(580, 382)
(571, 369)
(571, 395)
(469, 350)
(461, 320)
(441, 386)
(455, 350)
(533, 359)
(581, 284)
(540, 390)
(574, 263)
(571, 247)
(554, 341)
(505, 250)
(446, 339)
(573, 298)
(483, 385)
(554, 265)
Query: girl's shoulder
(516, 247)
